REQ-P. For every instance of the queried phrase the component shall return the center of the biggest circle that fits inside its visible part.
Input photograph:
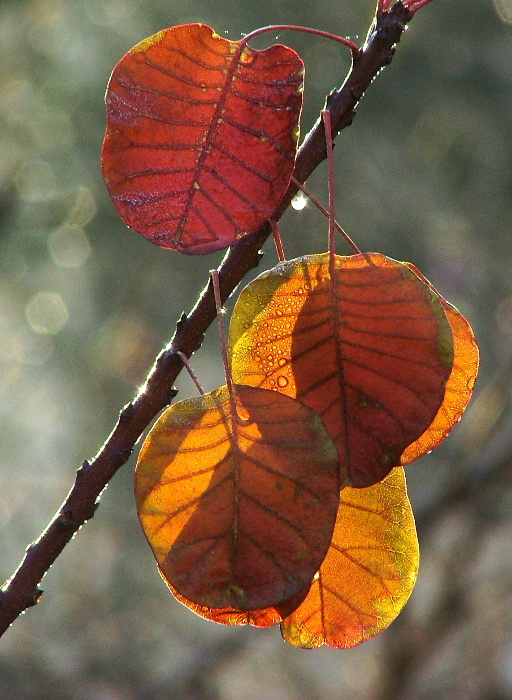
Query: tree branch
(21, 590)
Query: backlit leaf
(459, 386)
(238, 502)
(201, 136)
(370, 352)
(265, 617)
(368, 573)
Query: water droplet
(299, 201)
(242, 414)
(282, 381)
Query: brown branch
(21, 590)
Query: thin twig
(190, 370)
(325, 212)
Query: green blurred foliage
(424, 175)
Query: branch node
(182, 320)
(357, 91)
(127, 413)
(93, 510)
(66, 519)
(33, 597)
(172, 394)
(124, 454)
(84, 467)
(389, 56)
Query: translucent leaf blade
(238, 509)
(369, 571)
(265, 617)
(371, 353)
(459, 387)
(201, 136)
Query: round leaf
(368, 573)
(370, 349)
(201, 136)
(238, 498)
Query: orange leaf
(368, 573)
(265, 617)
(459, 386)
(201, 136)
(238, 499)
(371, 352)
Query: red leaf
(370, 350)
(201, 136)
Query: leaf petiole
(326, 117)
(214, 276)
(277, 240)
(354, 48)
(412, 5)
(190, 370)
(318, 204)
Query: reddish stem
(412, 5)
(326, 116)
(214, 275)
(189, 369)
(277, 240)
(325, 212)
(354, 48)
(415, 5)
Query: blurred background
(424, 174)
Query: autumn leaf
(201, 136)
(265, 617)
(238, 496)
(368, 347)
(459, 387)
(368, 573)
